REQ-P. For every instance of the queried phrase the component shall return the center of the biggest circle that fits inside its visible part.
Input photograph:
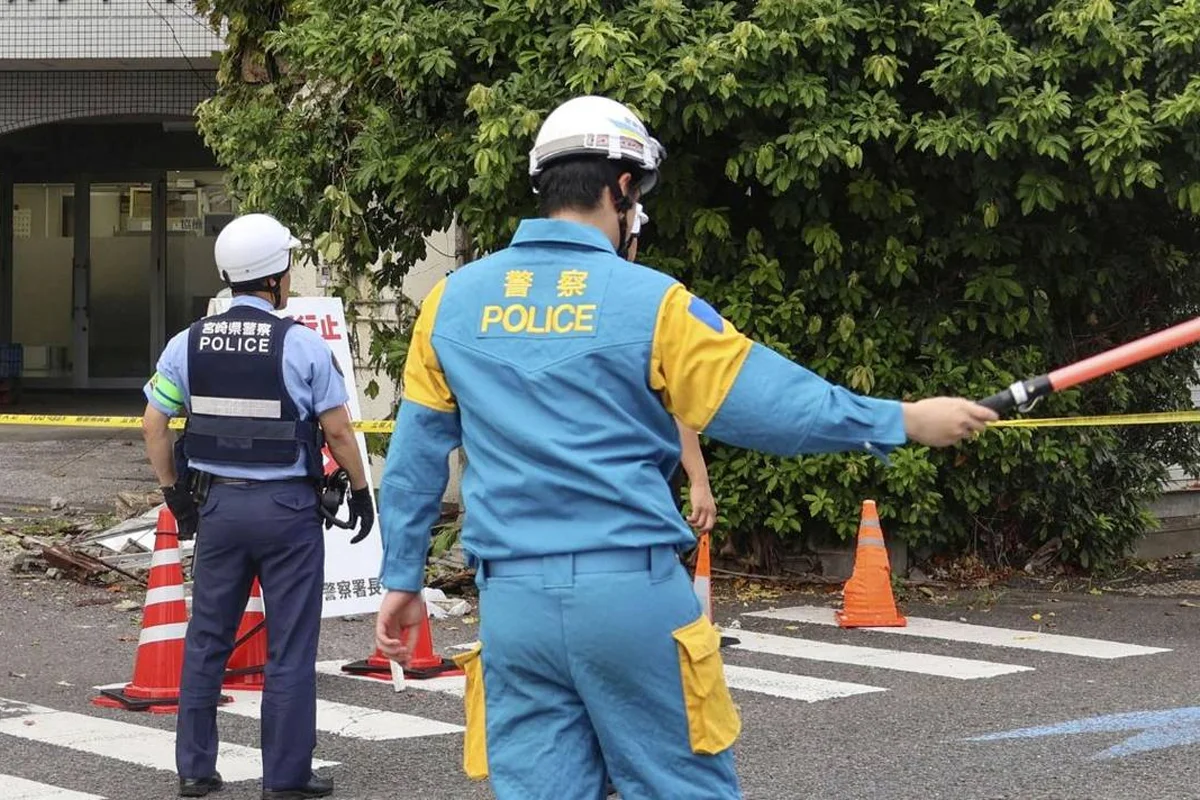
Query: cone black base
(446, 667)
(384, 673)
(117, 698)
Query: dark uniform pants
(272, 530)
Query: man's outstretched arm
(719, 382)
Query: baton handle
(999, 402)
(1021, 393)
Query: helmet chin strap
(623, 205)
(277, 289)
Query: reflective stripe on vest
(236, 407)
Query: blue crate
(12, 360)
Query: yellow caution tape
(387, 425)
(1158, 418)
(77, 421)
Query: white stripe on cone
(162, 633)
(164, 557)
(164, 594)
(701, 585)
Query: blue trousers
(595, 664)
(270, 530)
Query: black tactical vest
(240, 409)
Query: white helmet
(592, 125)
(252, 247)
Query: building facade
(109, 201)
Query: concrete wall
(108, 30)
(308, 281)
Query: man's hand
(704, 507)
(396, 626)
(362, 511)
(184, 509)
(943, 421)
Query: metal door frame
(81, 288)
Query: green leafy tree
(909, 198)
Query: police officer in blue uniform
(262, 394)
(561, 367)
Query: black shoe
(316, 787)
(200, 787)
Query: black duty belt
(217, 479)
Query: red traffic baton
(1023, 394)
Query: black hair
(258, 284)
(577, 183)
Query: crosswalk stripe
(793, 687)
(455, 685)
(20, 789)
(778, 684)
(354, 722)
(922, 663)
(133, 744)
(977, 634)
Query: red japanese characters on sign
(326, 325)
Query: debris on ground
(59, 547)
(441, 606)
(132, 504)
(58, 560)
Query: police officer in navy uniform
(261, 394)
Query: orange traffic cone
(424, 663)
(867, 597)
(159, 660)
(702, 584)
(245, 667)
(373, 666)
(702, 581)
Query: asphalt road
(912, 735)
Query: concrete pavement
(1008, 709)
(909, 730)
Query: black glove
(361, 511)
(183, 507)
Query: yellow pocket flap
(700, 639)
(462, 659)
(475, 762)
(713, 721)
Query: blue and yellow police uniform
(252, 385)
(559, 366)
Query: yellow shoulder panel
(695, 357)
(424, 381)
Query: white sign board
(351, 570)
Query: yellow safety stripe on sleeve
(695, 358)
(424, 381)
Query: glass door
(198, 206)
(99, 286)
(43, 260)
(120, 269)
